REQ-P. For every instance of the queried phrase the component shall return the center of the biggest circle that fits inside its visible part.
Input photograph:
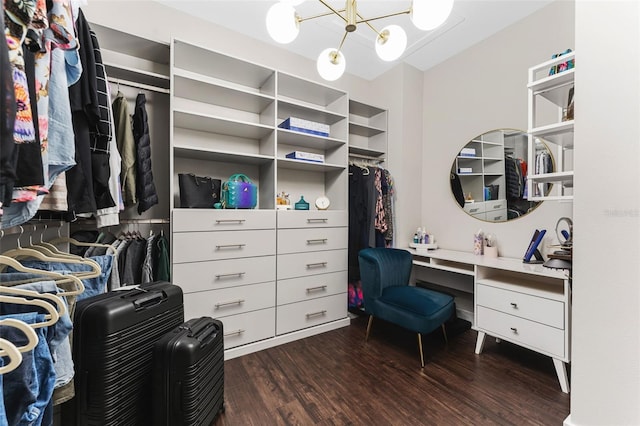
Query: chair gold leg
(444, 331)
(366, 337)
(421, 353)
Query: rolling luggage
(188, 374)
(113, 340)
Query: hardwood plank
(337, 379)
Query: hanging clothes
(127, 148)
(7, 120)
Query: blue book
(533, 246)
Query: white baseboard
(285, 338)
(568, 422)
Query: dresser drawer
(314, 239)
(495, 205)
(306, 288)
(189, 220)
(474, 208)
(496, 215)
(250, 327)
(210, 275)
(533, 335)
(231, 301)
(305, 314)
(199, 246)
(312, 219)
(544, 311)
(306, 264)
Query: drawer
(231, 301)
(305, 314)
(495, 205)
(314, 239)
(533, 335)
(305, 288)
(496, 215)
(312, 218)
(201, 276)
(306, 264)
(250, 327)
(190, 220)
(544, 311)
(200, 246)
(474, 208)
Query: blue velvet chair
(385, 275)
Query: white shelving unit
(367, 131)
(548, 97)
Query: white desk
(528, 305)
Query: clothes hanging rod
(137, 85)
(367, 157)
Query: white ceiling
(470, 22)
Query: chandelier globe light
(283, 25)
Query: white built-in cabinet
(270, 275)
(367, 131)
(548, 97)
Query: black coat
(145, 187)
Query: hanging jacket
(127, 149)
(7, 146)
(145, 187)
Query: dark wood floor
(337, 379)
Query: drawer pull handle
(497, 217)
(473, 210)
(234, 333)
(312, 220)
(235, 302)
(496, 206)
(225, 246)
(235, 274)
(514, 305)
(238, 221)
(317, 314)
(319, 288)
(317, 241)
(316, 265)
(515, 330)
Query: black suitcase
(113, 340)
(189, 374)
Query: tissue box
(305, 126)
(306, 156)
(468, 152)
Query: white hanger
(55, 276)
(60, 239)
(51, 316)
(28, 331)
(61, 307)
(9, 350)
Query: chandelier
(283, 25)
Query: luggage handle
(149, 300)
(203, 333)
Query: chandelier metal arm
(344, 37)
(321, 15)
(337, 12)
(366, 21)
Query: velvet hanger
(28, 331)
(9, 350)
(59, 278)
(51, 317)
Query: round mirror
(488, 176)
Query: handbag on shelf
(198, 192)
(239, 192)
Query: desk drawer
(495, 205)
(315, 239)
(313, 287)
(474, 208)
(544, 311)
(312, 219)
(215, 274)
(527, 333)
(231, 301)
(297, 316)
(200, 246)
(193, 220)
(250, 327)
(306, 264)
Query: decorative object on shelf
(478, 242)
(306, 126)
(239, 192)
(306, 156)
(562, 258)
(323, 202)
(200, 192)
(490, 246)
(302, 204)
(283, 25)
(283, 202)
(532, 249)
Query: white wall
(481, 89)
(606, 293)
